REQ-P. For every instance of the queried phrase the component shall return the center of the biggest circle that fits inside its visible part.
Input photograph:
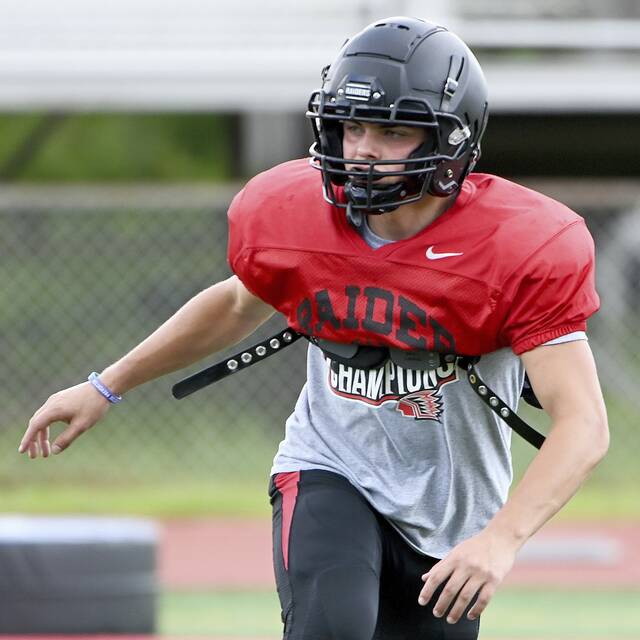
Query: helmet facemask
(446, 151)
(367, 84)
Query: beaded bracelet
(94, 379)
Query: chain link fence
(85, 274)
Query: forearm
(212, 320)
(573, 448)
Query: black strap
(283, 339)
(498, 406)
(234, 363)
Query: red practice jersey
(504, 266)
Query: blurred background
(126, 128)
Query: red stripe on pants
(287, 485)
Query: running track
(236, 553)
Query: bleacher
(266, 56)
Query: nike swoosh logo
(432, 255)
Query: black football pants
(343, 572)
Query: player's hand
(473, 568)
(80, 407)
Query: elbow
(599, 438)
(605, 438)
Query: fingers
(450, 593)
(33, 450)
(76, 428)
(453, 589)
(484, 596)
(38, 425)
(465, 596)
(432, 581)
(458, 592)
(467, 577)
(68, 406)
(40, 445)
(43, 441)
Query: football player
(391, 511)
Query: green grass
(229, 613)
(513, 613)
(220, 498)
(603, 502)
(556, 613)
(193, 472)
(201, 477)
(163, 500)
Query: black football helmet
(408, 72)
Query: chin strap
(354, 216)
(377, 198)
(283, 339)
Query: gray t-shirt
(420, 446)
